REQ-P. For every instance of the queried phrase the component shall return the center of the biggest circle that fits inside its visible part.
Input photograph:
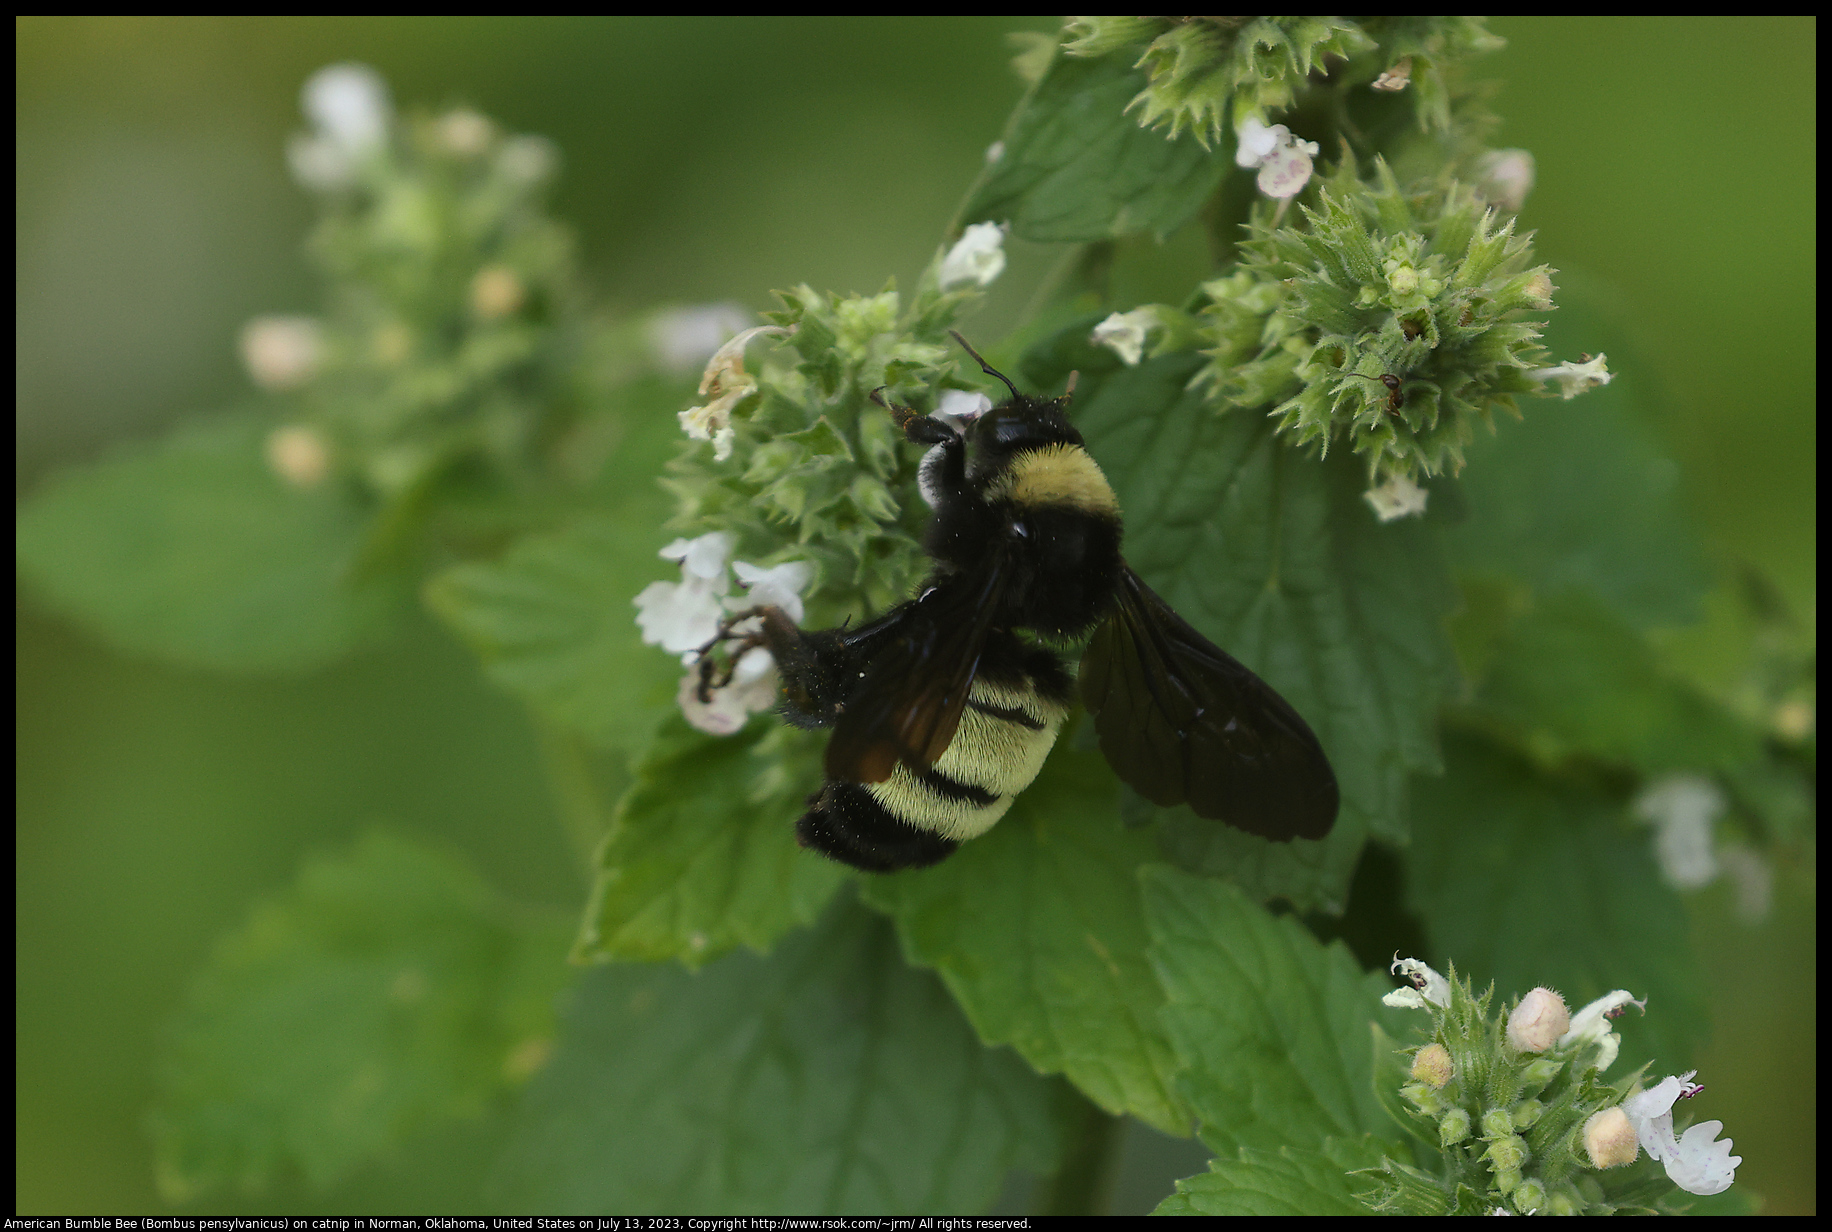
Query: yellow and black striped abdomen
(1004, 735)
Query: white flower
(1590, 1025)
(282, 353)
(960, 407)
(725, 383)
(1682, 809)
(703, 557)
(1695, 1161)
(1506, 177)
(1428, 987)
(1538, 1021)
(778, 587)
(977, 257)
(1125, 333)
(350, 114)
(751, 688)
(683, 616)
(1396, 78)
(685, 338)
(348, 104)
(1397, 498)
(1283, 160)
(1574, 379)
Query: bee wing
(909, 703)
(1181, 721)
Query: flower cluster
(1521, 1116)
(684, 617)
(1395, 320)
(452, 305)
(1202, 72)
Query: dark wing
(914, 688)
(1183, 722)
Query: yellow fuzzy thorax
(1055, 475)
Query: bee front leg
(810, 665)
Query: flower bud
(1529, 1196)
(1565, 1201)
(282, 353)
(299, 455)
(1609, 1139)
(1541, 1071)
(1422, 1097)
(496, 292)
(1496, 1123)
(1454, 1128)
(1507, 1179)
(1507, 1153)
(1526, 1113)
(1538, 1021)
(1433, 1066)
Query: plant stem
(1083, 1185)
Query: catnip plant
(1346, 454)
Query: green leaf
(1038, 930)
(1570, 677)
(386, 991)
(1077, 168)
(1272, 1029)
(555, 624)
(827, 1079)
(1528, 880)
(194, 552)
(702, 855)
(554, 620)
(1285, 1181)
(1277, 559)
(1575, 495)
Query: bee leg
(918, 429)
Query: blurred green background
(709, 160)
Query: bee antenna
(985, 367)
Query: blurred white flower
(1682, 808)
(282, 353)
(1397, 498)
(1752, 877)
(349, 104)
(1505, 177)
(1428, 987)
(752, 688)
(977, 257)
(780, 586)
(685, 338)
(1125, 333)
(1575, 378)
(1695, 1161)
(1396, 78)
(496, 292)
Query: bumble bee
(942, 713)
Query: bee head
(1017, 425)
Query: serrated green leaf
(194, 552)
(1076, 167)
(1272, 1028)
(1574, 496)
(701, 857)
(829, 1078)
(387, 990)
(1570, 678)
(1277, 558)
(1285, 1181)
(1527, 880)
(554, 622)
(1039, 931)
